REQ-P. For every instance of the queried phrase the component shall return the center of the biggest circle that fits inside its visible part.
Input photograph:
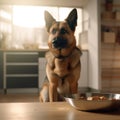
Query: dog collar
(63, 57)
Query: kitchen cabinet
(1, 70)
(20, 70)
(83, 81)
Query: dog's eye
(63, 31)
(54, 31)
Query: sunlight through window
(28, 16)
(28, 25)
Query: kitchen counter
(83, 48)
(50, 111)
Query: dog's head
(61, 39)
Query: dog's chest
(62, 67)
(63, 88)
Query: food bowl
(94, 101)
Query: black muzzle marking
(59, 43)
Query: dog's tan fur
(63, 63)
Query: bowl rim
(71, 96)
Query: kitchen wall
(92, 8)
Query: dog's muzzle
(59, 43)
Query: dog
(63, 58)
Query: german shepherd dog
(63, 58)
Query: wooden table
(50, 111)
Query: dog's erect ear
(48, 20)
(72, 19)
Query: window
(28, 27)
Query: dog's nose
(59, 43)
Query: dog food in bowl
(93, 98)
(94, 101)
